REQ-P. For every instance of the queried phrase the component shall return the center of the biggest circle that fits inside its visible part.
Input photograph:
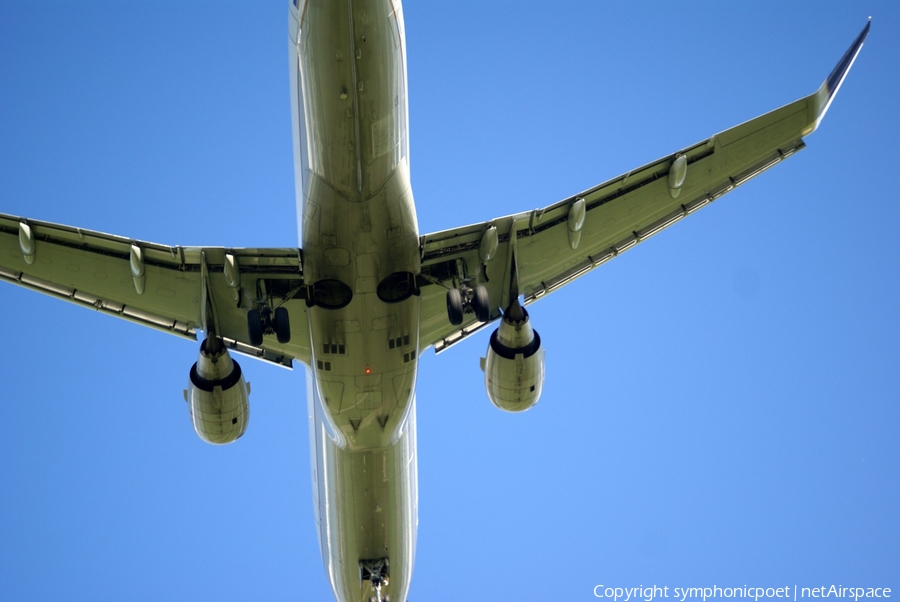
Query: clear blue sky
(722, 403)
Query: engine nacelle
(218, 396)
(514, 367)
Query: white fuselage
(359, 238)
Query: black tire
(282, 325)
(481, 303)
(254, 327)
(454, 306)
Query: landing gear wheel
(254, 327)
(481, 303)
(455, 306)
(282, 325)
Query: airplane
(295, 305)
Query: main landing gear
(466, 299)
(265, 321)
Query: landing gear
(464, 300)
(282, 325)
(254, 327)
(376, 572)
(481, 303)
(455, 306)
(378, 597)
(262, 321)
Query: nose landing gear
(378, 597)
(376, 572)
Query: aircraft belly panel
(360, 239)
(349, 90)
(365, 364)
(366, 506)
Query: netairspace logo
(682, 594)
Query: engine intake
(514, 367)
(218, 396)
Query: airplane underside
(365, 294)
(360, 250)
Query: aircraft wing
(158, 285)
(537, 252)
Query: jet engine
(514, 367)
(218, 396)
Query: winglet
(821, 100)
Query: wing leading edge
(157, 285)
(539, 251)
